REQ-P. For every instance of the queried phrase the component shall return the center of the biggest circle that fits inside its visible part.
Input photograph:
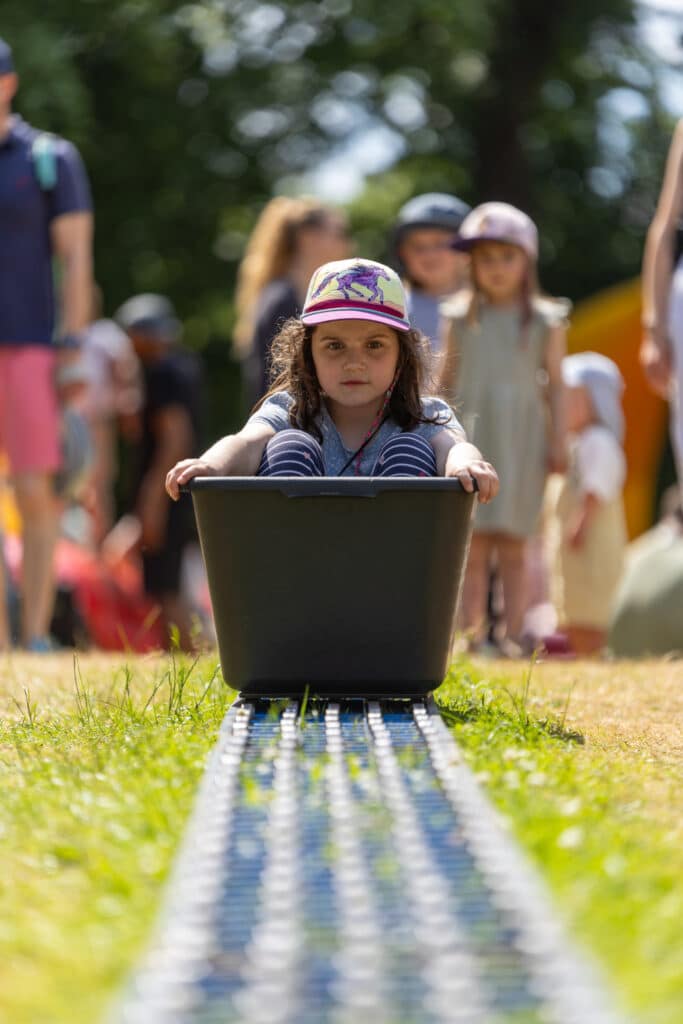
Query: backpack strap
(44, 160)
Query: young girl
(432, 270)
(585, 525)
(347, 397)
(503, 370)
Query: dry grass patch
(632, 711)
(632, 708)
(49, 681)
(584, 759)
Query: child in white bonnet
(585, 525)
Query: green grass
(603, 826)
(98, 770)
(94, 799)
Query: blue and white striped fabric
(292, 453)
(296, 453)
(275, 413)
(406, 455)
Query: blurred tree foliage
(190, 115)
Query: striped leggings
(296, 453)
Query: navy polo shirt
(27, 306)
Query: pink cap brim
(327, 315)
(466, 244)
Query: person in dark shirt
(45, 218)
(170, 431)
(291, 238)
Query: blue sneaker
(41, 645)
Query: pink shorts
(29, 412)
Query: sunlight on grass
(582, 804)
(97, 784)
(100, 759)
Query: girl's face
(324, 242)
(499, 270)
(429, 260)
(355, 361)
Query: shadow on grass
(467, 700)
(476, 713)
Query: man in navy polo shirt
(45, 217)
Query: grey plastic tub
(348, 586)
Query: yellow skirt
(583, 581)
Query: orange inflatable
(610, 323)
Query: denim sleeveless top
(275, 413)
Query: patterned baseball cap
(356, 290)
(498, 222)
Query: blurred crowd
(94, 409)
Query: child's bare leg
(586, 639)
(476, 586)
(512, 564)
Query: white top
(600, 463)
(111, 368)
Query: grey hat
(6, 62)
(150, 314)
(430, 210)
(603, 381)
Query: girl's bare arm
(235, 455)
(658, 268)
(657, 262)
(457, 457)
(579, 523)
(555, 352)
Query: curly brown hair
(293, 370)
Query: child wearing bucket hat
(505, 344)
(431, 269)
(584, 513)
(347, 395)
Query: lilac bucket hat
(498, 222)
(356, 290)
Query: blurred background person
(503, 337)
(431, 268)
(661, 352)
(171, 416)
(585, 521)
(291, 238)
(112, 401)
(45, 216)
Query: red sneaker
(557, 645)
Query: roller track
(347, 868)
